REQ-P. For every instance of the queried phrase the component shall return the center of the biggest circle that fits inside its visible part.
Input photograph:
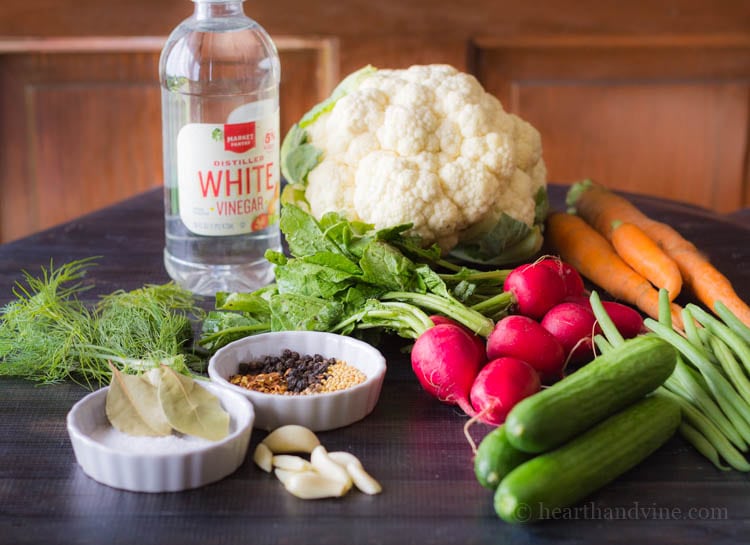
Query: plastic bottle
(219, 73)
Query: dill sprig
(47, 334)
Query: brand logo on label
(239, 137)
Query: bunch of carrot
(632, 256)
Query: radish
(628, 321)
(582, 299)
(446, 361)
(501, 384)
(523, 338)
(536, 288)
(438, 319)
(574, 326)
(571, 277)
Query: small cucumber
(589, 395)
(539, 488)
(496, 457)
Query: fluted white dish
(320, 411)
(194, 465)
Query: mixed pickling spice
(292, 373)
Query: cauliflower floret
(360, 146)
(352, 115)
(528, 143)
(467, 183)
(408, 131)
(330, 187)
(493, 150)
(425, 145)
(404, 190)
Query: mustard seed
(294, 374)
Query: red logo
(239, 137)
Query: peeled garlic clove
(363, 480)
(344, 458)
(263, 457)
(291, 463)
(291, 438)
(284, 475)
(311, 485)
(325, 465)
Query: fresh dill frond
(49, 335)
(149, 324)
(42, 328)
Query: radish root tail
(470, 422)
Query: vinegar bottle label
(228, 175)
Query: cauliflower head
(427, 146)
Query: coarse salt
(168, 444)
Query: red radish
(628, 321)
(578, 300)
(446, 362)
(574, 326)
(438, 319)
(501, 384)
(523, 338)
(536, 289)
(571, 277)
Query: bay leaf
(133, 406)
(190, 408)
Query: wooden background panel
(75, 159)
(89, 122)
(81, 121)
(666, 116)
(639, 138)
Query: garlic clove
(263, 457)
(291, 438)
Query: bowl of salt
(165, 463)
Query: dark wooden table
(412, 444)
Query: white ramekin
(318, 412)
(155, 471)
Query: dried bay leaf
(133, 406)
(190, 408)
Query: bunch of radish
(553, 324)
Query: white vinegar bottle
(219, 74)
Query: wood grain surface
(414, 445)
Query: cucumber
(496, 457)
(609, 383)
(544, 485)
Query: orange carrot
(593, 256)
(600, 207)
(638, 250)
